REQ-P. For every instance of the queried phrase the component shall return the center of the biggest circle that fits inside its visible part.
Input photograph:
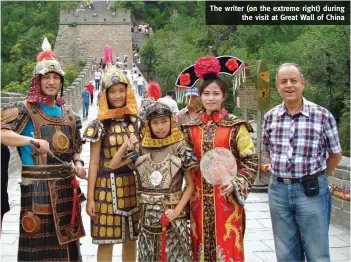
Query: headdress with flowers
(46, 63)
(228, 68)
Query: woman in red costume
(217, 216)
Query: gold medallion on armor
(60, 141)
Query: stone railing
(89, 17)
(6, 98)
(72, 94)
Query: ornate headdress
(46, 63)
(155, 110)
(115, 76)
(227, 68)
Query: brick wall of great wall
(85, 32)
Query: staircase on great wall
(138, 39)
(84, 32)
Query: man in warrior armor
(47, 136)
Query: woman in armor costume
(217, 217)
(112, 200)
(51, 222)
(164, 162)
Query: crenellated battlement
(94, 17)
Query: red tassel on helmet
(154, 90)
(164, 223)
(46, 55)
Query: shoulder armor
(93, 131)
(193, 122)
(14, 116)
(232, 120)
(9, 114)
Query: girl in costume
(112, 200)
(163, 163)
(217, 217)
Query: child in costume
(112, 200)
(163, 163)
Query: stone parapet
(92, 17)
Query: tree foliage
(322, 52)
(24, 27)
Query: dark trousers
(92, 98)
(97, 84)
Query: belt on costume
(289, 181)
(46, 172)
(152, 198)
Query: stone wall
(81, 34)
(6, 98)
(91, 17)
(72, 94)
(341, 179)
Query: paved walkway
(259, 244)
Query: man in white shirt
(169, 101)
(97, 77)
(135, 79)
(140, 84)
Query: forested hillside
(181, 36)
(24, 25)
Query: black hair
(170, 93)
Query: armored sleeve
(186, 133)
(93, 132)
(138, 124)
(14, 117)
(186, 154)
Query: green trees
(322, 51)
(24, 27)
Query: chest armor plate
(58, 131)
(112, 140)
(169, 168)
